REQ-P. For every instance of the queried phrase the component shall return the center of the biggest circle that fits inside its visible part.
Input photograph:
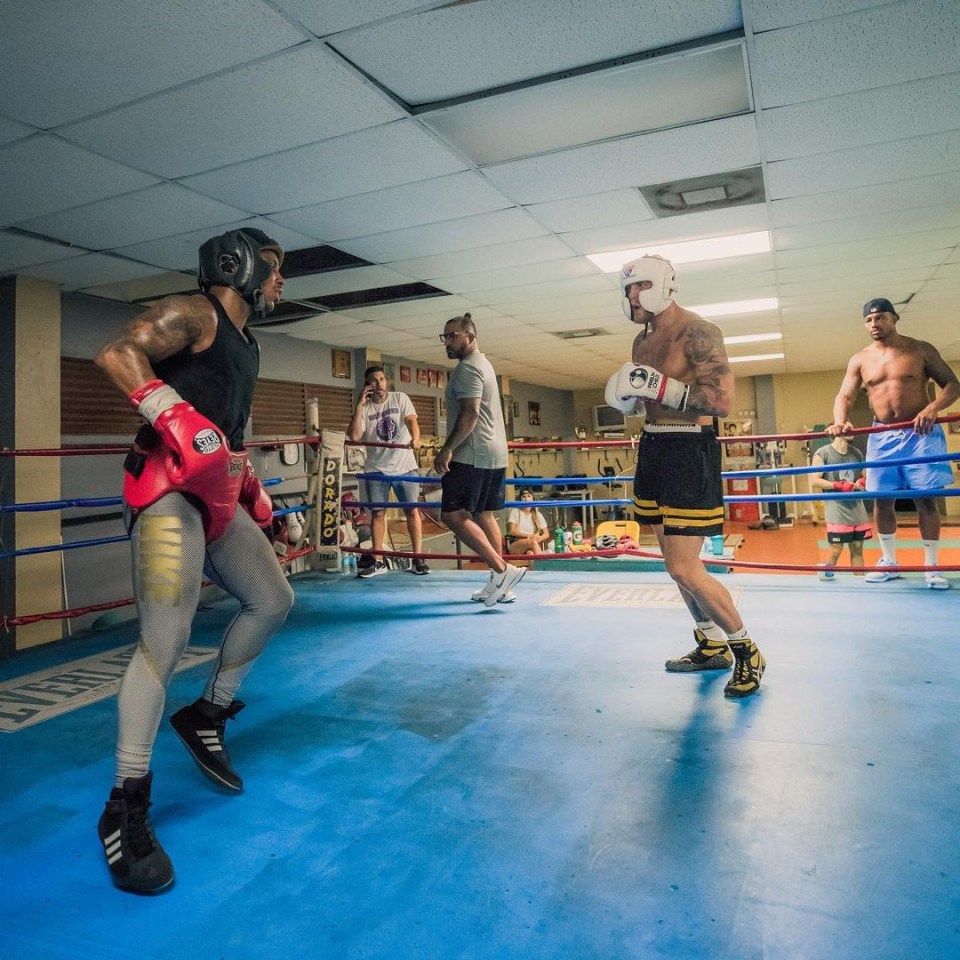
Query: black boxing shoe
(708, 655)
(137, 862)
(200, 727)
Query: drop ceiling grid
(908, 194)
(823, 58)
(158, 211)
(444, 53)
(303, 95)
(446, 197)
(370, 159)
(48, 46)
(702, 148)
(61, 176)
(465, 233)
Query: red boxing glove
(860, 484)
(844, 486)
(256, 501)
(197, 446)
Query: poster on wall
(421, 376)
(404, 374)
(389, 371)
(340, 363)
(431, 378)
(533, 413)
(442, 379)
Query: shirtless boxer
(681, 375)
(896, 371)
(189, 365)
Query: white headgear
(660, 272)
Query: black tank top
(219, 381)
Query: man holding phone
(383, 416)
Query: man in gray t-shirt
(847, 520)
(473, 460)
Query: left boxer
(189, 365)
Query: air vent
(734, 188)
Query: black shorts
(846, 536)
(474, 489)
(678, 483)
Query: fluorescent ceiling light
(560, 111)
(689, 251)
(756, 356)
(736, 306)
(753, 338)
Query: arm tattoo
(712, 386)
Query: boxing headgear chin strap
(233, 260)
(660, 272)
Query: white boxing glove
(629, 407)
(634, 381)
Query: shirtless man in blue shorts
(895, 371)
(681, 376)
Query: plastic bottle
(345, 564)
(353, 564)
(577, 529)
(559, 540)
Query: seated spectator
(527, 530)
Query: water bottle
(559, 540)
(577, 529)
(353, 564)
(345, 564)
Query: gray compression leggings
(169, 560)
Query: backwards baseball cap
(879, 305)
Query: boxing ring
(428, 777)
(302, 547)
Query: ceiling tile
(327, 17)
(691, 151)
(855, 167)
(593, 210)
(61, 176)
(435, 54)
(485, 258)
(342, 281)
(159, 211)
(17, 252)
(878, 198)
(88, 271)
(124, 51)
(426, 201)
(302, 95)
(501, 226)
(179, 252)
(690, 226)
(825, 58)
(772, 14)
(371, 159)
(513, 276)
(863, 118)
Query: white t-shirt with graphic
(387, 423)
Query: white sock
(888, 546)
(711, 631)
(930, 552)
(740, 634)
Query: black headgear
(233, 260)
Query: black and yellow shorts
(678, 482)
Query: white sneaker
(879, 575)
(478, 596)
(936, 582)
(503, 583)
(825, 574)
(507, 598)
